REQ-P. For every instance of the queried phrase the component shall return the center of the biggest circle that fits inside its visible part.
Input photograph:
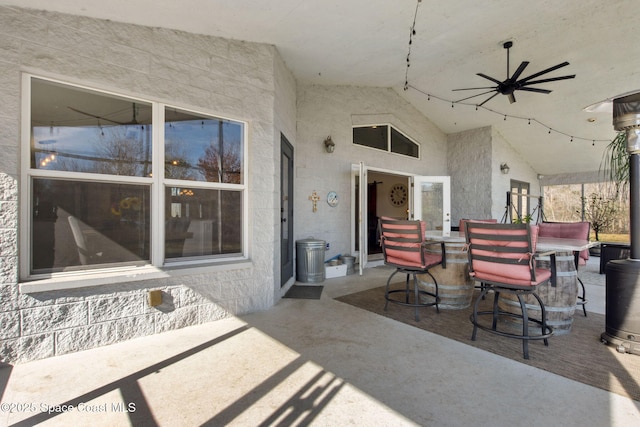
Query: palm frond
(615, 162)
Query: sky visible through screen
(93, 148)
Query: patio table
(560, 300)
(456, 287)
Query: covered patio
(185, 335)
(296, 365)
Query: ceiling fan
(512, 84)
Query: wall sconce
(504, 168)
(329, 145)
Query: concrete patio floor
(305, 362)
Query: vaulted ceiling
(366, 43)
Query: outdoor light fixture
(504, 168)
(329, 145)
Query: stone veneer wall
(228, 78)
(478, 187)
(469, 164)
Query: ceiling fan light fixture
(513, 82)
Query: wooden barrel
(455, 287)
(559, 301)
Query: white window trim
(158, 267)
(388, 150)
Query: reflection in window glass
(201, 148)
(78, 130)
(432, 199)
(92, 175)
(88, 224)
(371, 136)
(402, 145)
(387, 138)
(520, 201)
(202, 222)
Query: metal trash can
(350, 261)
(310, 260)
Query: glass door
(431, 202)
(362, 217)
(286, 211)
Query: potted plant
(523, 219)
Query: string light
(411, 34)
(530, 120)
(408, 86)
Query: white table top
(558, 244)
(452, 236)
(544, 243)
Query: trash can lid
(310, 242)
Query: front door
(286, 211)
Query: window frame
(157, 184)
(390, 129)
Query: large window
(520, 194)
(113, 181)
(387, 138)
(598, 203)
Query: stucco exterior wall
(285, 124)
(334, 110)
(239, 80)
(520, 170)
(243, 81)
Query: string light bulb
(412, 33)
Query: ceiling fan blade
(551, 79)
(534, 89)
(488, 99)
(548, 70)
(519, 71)
(473, 96)
(476, 88)
(94, 116)
(512, 98)
(489, 78)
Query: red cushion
(505, 273)
(568, 230)
(423, 227)
(407, 258)
(462, 223)
(412, 259)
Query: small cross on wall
(314, 198)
